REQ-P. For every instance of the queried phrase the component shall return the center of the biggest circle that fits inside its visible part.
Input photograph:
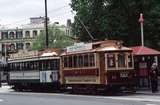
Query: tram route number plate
(124, 74)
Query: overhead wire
(50, 11)
(82, 23)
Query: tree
(90, 13)
(57, 39)
(118, 19)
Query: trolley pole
(141, 20)
(46, 24)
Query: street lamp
(46, 23)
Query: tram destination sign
(79, 47)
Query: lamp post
(141, 20)
(46, 24)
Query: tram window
(91, 60)
(75, 61)
(24, 66)
(45, 65)
(28, 65)
(49, 65)
(14, 66)
(65, 61)
(86, 60)
(31, 65)
(36, 65)
(20, 66)
(80, 61)
(58, 64)
(40, 65)
(121, 60)
(10, 66)
(55, 64)
(130, 60)
(70, 61)
(111, 60)
(17, 66)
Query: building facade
(22, 37)
(12, 40)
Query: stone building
(22, 37)
(12, 40)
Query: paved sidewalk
(147, 92)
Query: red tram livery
(97, 66)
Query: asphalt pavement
(9, 97)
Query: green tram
(38, 71)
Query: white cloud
(19, 11)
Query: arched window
(28, 46)
(12, 47)
(11, 34)
(35, 33)
(27, 34)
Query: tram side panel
(106, 73)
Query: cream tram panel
(24, 75)
(82, 80)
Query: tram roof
(100, 46)
(33, 59)
(34, 55)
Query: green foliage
(118, 19)
(57, 39)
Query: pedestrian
(154, 77)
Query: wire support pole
(46, 24)
(142, 35)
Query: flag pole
(141, 20)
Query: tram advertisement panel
(82, 80)
(82, 76)
(48, 76)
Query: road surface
(9, 97)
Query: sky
(16, 12)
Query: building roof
(141, 50)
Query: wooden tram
(34, 70)
(97, 66)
